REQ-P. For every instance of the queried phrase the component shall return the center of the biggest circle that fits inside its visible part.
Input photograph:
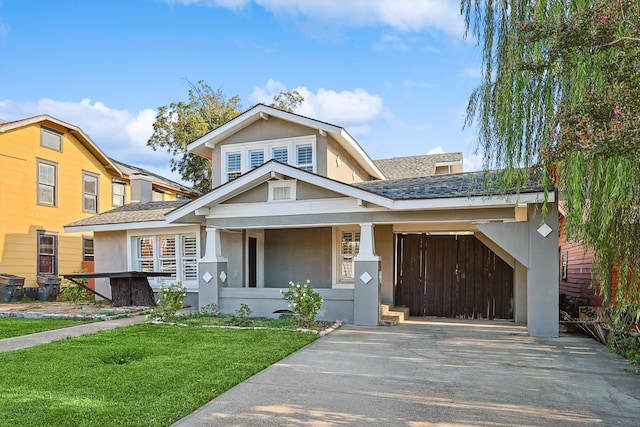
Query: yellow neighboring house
(51, 173)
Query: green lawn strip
(142, 375)
(17, 326)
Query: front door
(452, 276)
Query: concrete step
(388, 320)
(390, 315)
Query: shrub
(71, 292)
(171, 300)
(242, 315)
(304, 301)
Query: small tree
(304, 301)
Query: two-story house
(296, 199)
(52, 173)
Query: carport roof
(468, 184)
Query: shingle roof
(414, 166)
(466, 184)
(133, 212)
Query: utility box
(49, 287)
(10, 287)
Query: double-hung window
(47, 253)
(280, 154)
(233, 165)
(167, 255)
(90, 192)
(304, 157)
(349, 248)
(47, 179)
(256, 158)
(118, 193)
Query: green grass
(17, 326)
(198, 319)
(142, 375)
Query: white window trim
(337, 257)
(155, 233)
(267, 145)
(290, 183)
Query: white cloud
(437, 150)
(119, 134)
(389, 41)
(472, 163)
(355, 110)
(401, 15)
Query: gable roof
(203, 145)
(72, 129)
(415, 166)
(161, 181)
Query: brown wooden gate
(452, 276)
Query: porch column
(212, 269)
(520, 293)
(366, 296)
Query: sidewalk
(25, 341)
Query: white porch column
(212, 269)
(366, 297)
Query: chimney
(141, 189)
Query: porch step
(391, 316)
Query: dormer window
(280, 191)
(239, 158)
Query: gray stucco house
(296, 199)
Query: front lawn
(141, 375)
(16, 326)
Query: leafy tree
(180, 123)
(559, 94)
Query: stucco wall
(298, 255)
(304, 191)
(346, 169)
(231, 246)
(110, 248)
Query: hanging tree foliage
(560, 93)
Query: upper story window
(90, 192)
(304, 157)
(233, 167)
(50, 138)
(242, 157)
(118, 189)
(47, 183)
(282, 190)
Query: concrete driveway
(435, 372)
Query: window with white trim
(304, 157)
(233, 165)
(118, 189)
(87, 249)
(242, 157)
(349, 248)
(256, 158)
(170, 253)
(89, 192)
(50, 138)
(282, 190)
(47, 180)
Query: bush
(242, 315)
(304, 301)
(171, 300)
(71, 292)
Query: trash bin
(49, 287)
(10, 287)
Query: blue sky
(396, 74)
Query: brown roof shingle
(414, 166)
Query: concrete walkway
(17, 343)
(435, 372)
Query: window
(172, 253)
(239, 158)
(234, 166)
(47, 253)
(118, 189)
(282, 190)
(47, 175)
(564, 267)
(256, 158)
(87, 249)
(90, 192)
(281, 154)
(144, 253)
(50, 138)
(304, 157)
(349, 247)
(157, 195)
